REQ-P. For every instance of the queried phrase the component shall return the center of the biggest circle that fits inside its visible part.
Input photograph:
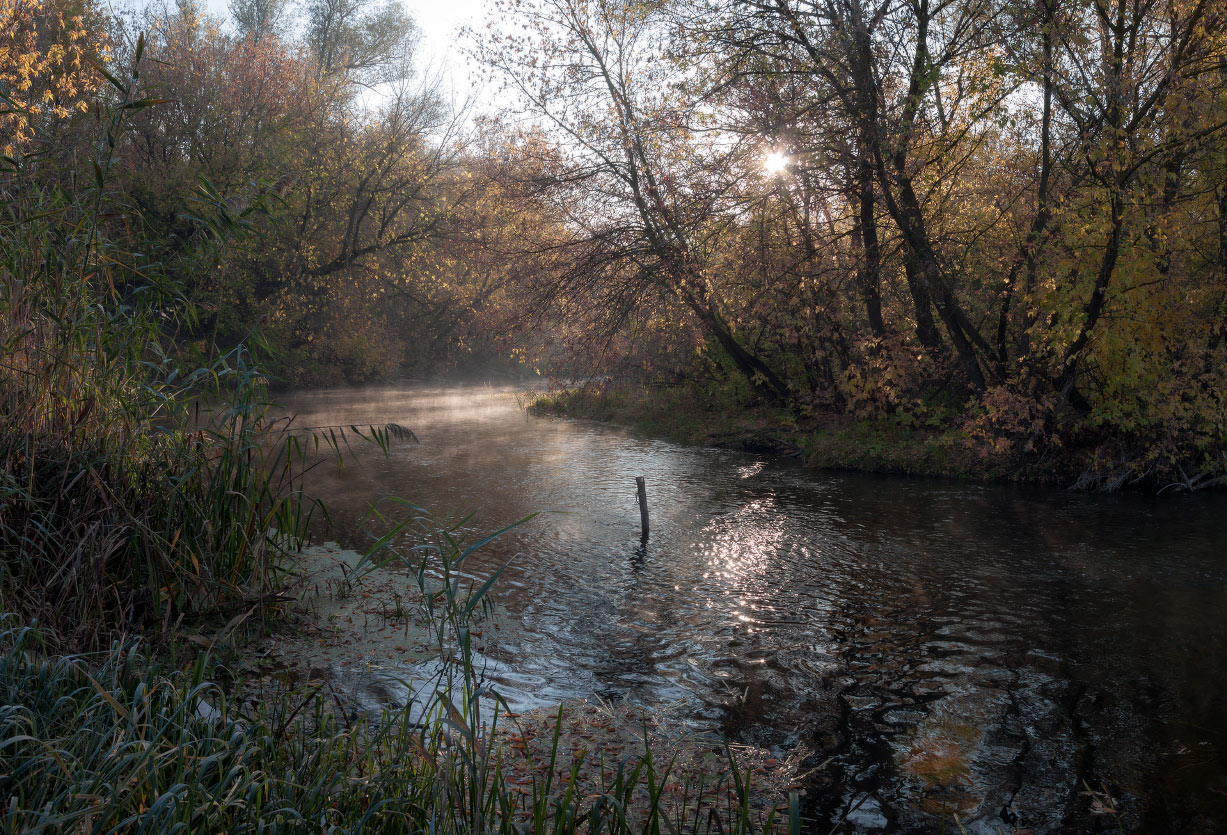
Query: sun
(776, 162)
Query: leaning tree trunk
(760, 375)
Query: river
(1028, 660)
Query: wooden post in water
(643, 507)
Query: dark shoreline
(841, 444)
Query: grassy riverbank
(116, 743)
(931, 440)
(120, 741)
(687, 415)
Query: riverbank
(881, 446)
(933, 444)
(261, 729)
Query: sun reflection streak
(739, 549)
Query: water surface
(1025, 659)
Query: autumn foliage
(997, 219)
(1001, 219)
(45, 50)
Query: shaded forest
(1003, 219)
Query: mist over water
(1024, 659)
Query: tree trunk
(926, 326)
(1042, 209)
(871, 253)
(928, 278)
(765, 381)
(1094, 306)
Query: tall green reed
(118, 502)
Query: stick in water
(643, 507)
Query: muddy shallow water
(1023, 659)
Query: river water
(1026, 660)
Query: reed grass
(118, 503)
(113, 743)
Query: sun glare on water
(776, 162)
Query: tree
(259, 19)
(357, 188)
(903, 79)
(45, 73)
(370, 43)
(620, 155)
